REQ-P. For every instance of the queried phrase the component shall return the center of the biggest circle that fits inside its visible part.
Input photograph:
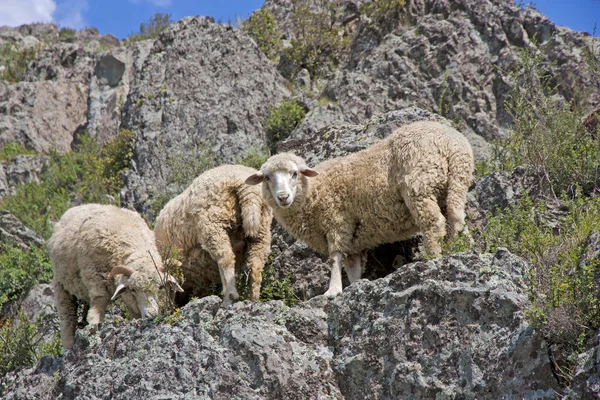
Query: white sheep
(212, 223)
(100, 252)
(388, 192)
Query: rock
(13, 232)
(39, 302)
(438, 329)
(203, 87)
(22, 169)
(451, 57)
(109, 88)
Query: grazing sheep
(100, 252)
(388, 192)
(212, 222)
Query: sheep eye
(295, 175)
(267, 178)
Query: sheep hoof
(332, 292)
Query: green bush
(66, 34)
(547, 135)
(262, 27)
(254, 157)
(90, 174)
(20, 270)
(383, 12)
(151, 29)
(15, 61)
(271, 287)
(282, 120)
(22, 342)
(10, 151)
(318, 39)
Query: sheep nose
(283, 197)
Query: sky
(123, 17)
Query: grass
(90, 174)
(15, 61)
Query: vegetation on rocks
(262, 27)
(152, 28)
(14, 61)
(282, 120)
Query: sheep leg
(335, 282)
(66, 305)
(219, 247)
(258, 252)
(353, 267)
(430, 220)
(97, 309)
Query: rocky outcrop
(19, 170)
(442, 328)
(13, 232)
(203, 88)
(451, 57)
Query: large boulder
(204, 87)
(437, 329)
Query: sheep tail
(252, 208)
(460, 172)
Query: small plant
(20, 270)
(22, 342)
(319, 38)
(66, 34)
(15, 61)
(91, 173)
(282, 120)
(254, 157)
(185, 167)
(262, 27)
(382, 11)
(151, 29)
(10, 151)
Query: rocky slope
(449, 328)
(199, 93)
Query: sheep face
(139, 290)
(280, 176)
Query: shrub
(547, 134)
(151, 29)
(20, 270)
(66, 34)
(10, 151)
(383, 12)
(91, 173)
(254, 157)
(317, 38)
(282, 120)
(262, 27)
(22, 342)
(15, 61)
(271, 287)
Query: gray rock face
(12, 231)
(451, 57)
(203, 87)
(22, 169)
(109, 88)
(438, 329)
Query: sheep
(211, 223)
(100, 252)
(388, 192)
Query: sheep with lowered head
(214, 223)
(100, 252)
(391, 191)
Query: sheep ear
(120, 270)
(173, 284)
(308, 172)
(120, 288)
(255, 179)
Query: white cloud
(19, 12)
(158, 3)
(70, 13)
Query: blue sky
(122, 17)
